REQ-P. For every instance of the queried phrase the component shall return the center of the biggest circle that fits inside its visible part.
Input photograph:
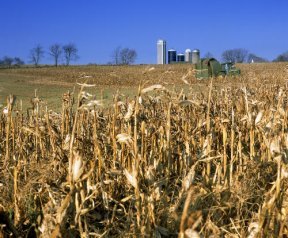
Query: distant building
(172, 56)
(161, 52)
(188, 56)
(180, 58)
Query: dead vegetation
(166, 163)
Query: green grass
(24, 90)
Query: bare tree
(36, 54)
(70, 53)
(7, 61)
(228, 56)
(238, 55)
(55, 51)
(18, 62)
(116, 56)
(127, 56)
(123, 56)
(241, 55)
(282, 57)
(256, 59)
(208, 55)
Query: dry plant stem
(208, 166)
(63, 118)
(37, 137)
(8, 124)
(143, 146)
(136, 131)
(113, 126)
(224, 133)
(13, 136)
(136, 163)
(52, 140)
(168, 149)
(184, 214)
(252, 139)
(72, 138)
(232, 139)
(278, 181)
(16, 207)
(61, 212)
(239, 153)
(97, 151)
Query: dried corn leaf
(152, 88)
(131, 179)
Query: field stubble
(51, 82)
(164, 163)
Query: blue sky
(97, 27)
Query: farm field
(175, 157)
(50, 82)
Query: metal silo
(180, 58)
(161, 52)
(172, 56)
(195, 56)
(188, 56)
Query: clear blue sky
(99, 26)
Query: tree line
(68, 52)
(122, 56)
(9, 62)
(57, 52)
(241, 55)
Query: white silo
(161, 52)
(188, 56)
(195, 56)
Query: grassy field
(50, 83)
(206, 161)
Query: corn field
(164, 163)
